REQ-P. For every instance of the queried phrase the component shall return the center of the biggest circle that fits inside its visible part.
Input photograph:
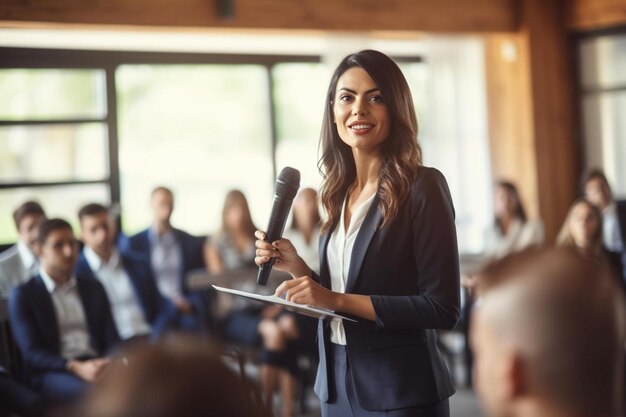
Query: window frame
(108, 62)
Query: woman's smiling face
(359, 111)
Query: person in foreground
(388, 252)
(61, 321)
(548, 336)
(179, 376)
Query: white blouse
(339, 253)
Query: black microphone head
(287, 183)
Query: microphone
(287, 185)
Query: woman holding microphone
(388, 252)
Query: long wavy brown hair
(400, 153)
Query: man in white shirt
(61, 321)
(597, 190)
(19, 263)
(138, 308)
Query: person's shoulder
(428, 177)
(10, 255)
(428, 182)
(138, 236)
(27, 287)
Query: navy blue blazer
(410, 268)
(35, 327)
(191, 248)
(157, 311)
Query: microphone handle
(275, 228)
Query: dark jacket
(35, 327)
(190, 246)
(157, 311)
(410, 268)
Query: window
(603, 86)
(53, 141)
(200, 129)
(299, 99)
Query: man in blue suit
(138, 308)
(171, 253)
(61, 321)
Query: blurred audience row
(72, 310)
(93, 315)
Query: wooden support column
(531, 111)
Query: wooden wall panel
(554, 105)
(511, 138)
(584, 15)
(348, 15)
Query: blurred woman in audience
(583, 230)
(512, 231)
(246, 322)
(304, 232)
(233, 247)
(180, 377)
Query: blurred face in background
(583, 225)
(58, 253)
(503, 202)
(162, 206)
(598, 193)
(27, 229)
(235, 214)
(97, 233)
(305, 206)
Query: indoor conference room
(314, 208)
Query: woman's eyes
(347, 98)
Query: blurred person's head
(27, 218)
(95, 229)
(507, 202)
(178, 377)
(305, 209)
(384, 105)
(596, 189)
(582, 227)
(548, 336)
(162, 203)
(236, 217)
(56, 248)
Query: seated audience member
(582, 230)
(61, 321)
(512, 231)
(16, 399)
(304, 231)
(137, 306)
(548, 336)
(182, 377)
(171, 253)
(598, 192)
(234, 248)
(19, 263)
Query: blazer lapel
(49, 320)
(323, 247)
(363, 239)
